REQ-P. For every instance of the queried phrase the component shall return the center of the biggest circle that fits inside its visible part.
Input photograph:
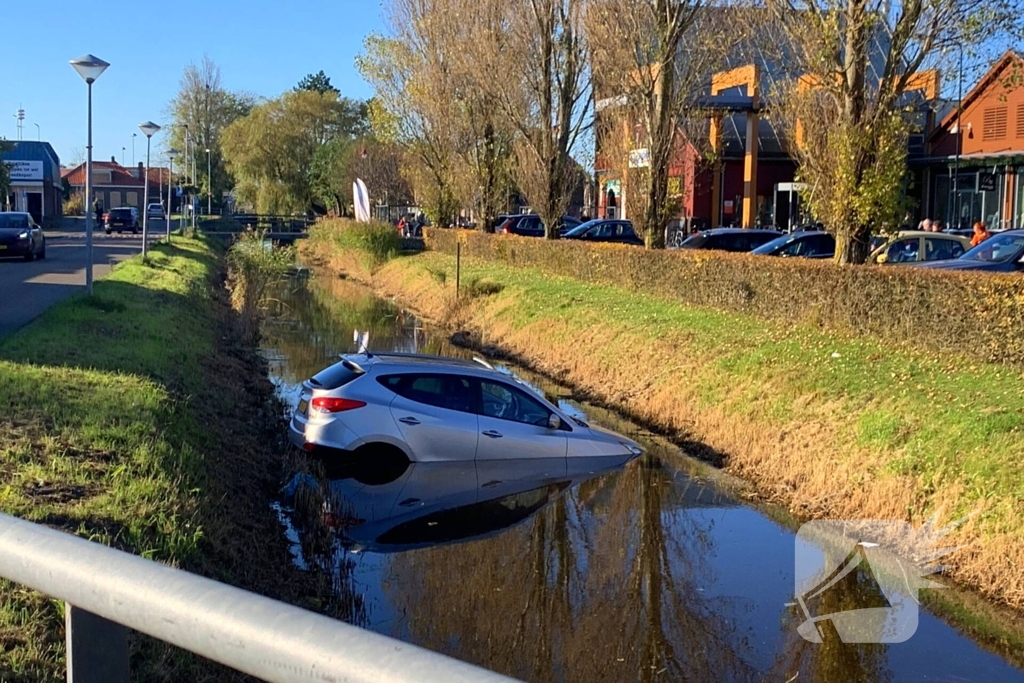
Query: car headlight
(23, 235)
(634, 449)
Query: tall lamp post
(171, 153)
(954, 185)
(90, 68)
(134, 135)
(149, 129)
(209, 184)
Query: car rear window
(120, 213)
(338, 375)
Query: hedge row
(978, 313)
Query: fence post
(97, 649)
(458, 267)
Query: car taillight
(327, 404)
(505, 230)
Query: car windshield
(13, 222)
(694, 241)
(768, 248)
(997, 249)
(583, 227)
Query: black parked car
(1003, 253)
(529, 225)
(807, 243)
(604, 230)
(730, 239)
(21, 236)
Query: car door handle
(409, 420)
(493, 434)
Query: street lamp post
(954, 184)
(133, 148)
(149, 129)
(195, 198)
(89, 68)
(171, 153)
(209, 184)
(39, 134)
(122, 157)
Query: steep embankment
(140, 418)
(832, 425)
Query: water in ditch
(648, 570)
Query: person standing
(981, 234)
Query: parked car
(20, 235)
(730, 239)
(122, 218)
(912, 246)
(1003, 252)
(605, 230)
(155, 211)
(807, 244)
(437, 503)
(429, 408)
(530, 225)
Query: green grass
(100, 429)
(940, 419)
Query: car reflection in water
(436, 503)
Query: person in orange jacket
(981, 234)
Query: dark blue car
(1001, 253)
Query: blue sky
(261, 46)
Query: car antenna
(362, 343)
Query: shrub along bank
(835, 425)
(138, 418)
(978, 313)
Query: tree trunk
(853, 246)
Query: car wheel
(42, 252)
(378, 464)
(107, 231)
(135, 231)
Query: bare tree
(847, 109)
(536, 73)
(650, 63)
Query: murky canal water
(647, 571)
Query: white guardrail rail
(107, 591)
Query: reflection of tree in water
(596, 587)
(832, 659)
(311, 324)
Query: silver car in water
(434, 409)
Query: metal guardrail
(107, 590)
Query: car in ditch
(392, 406)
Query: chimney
(113, 159)
(142, 172)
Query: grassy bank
(830, 425)
(140, 419)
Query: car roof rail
(482, 362)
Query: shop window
(995, 124)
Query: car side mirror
(882, 258)
(554, 421)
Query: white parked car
(155, 211)
(429, 408)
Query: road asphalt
(28, 289)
